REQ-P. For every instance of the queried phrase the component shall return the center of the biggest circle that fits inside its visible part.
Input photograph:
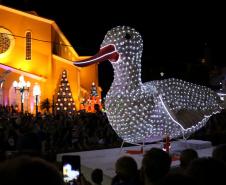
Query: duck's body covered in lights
(137, 110)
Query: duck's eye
(128, 36)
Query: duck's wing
(189, 104)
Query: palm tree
(45, 105)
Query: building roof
(48, 21)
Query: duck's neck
(127, 74)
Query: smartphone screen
(71, 167)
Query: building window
(28, 45)
(7, 42)
(4, 42)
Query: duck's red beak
(107, 52)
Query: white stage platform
(105, 159)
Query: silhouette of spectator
(155, 165)
(29, 144)
(186, 157)
(11, 140)
(97, 107)
(126, 172)
(82, 181)
(207, 171)
(25, 170)
(97, 176)
(219, 153)
(177, 179)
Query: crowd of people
(29, 144)
(155, 169)
(50, 134)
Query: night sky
(176, 36)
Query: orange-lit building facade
(36, 48)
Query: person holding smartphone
(71, 166)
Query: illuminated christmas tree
(64, 101)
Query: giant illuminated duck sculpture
(137, 110)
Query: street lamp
(21, 86)
(36, 93)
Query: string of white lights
(137, 110)
(32, 38)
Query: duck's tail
(223, 100)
